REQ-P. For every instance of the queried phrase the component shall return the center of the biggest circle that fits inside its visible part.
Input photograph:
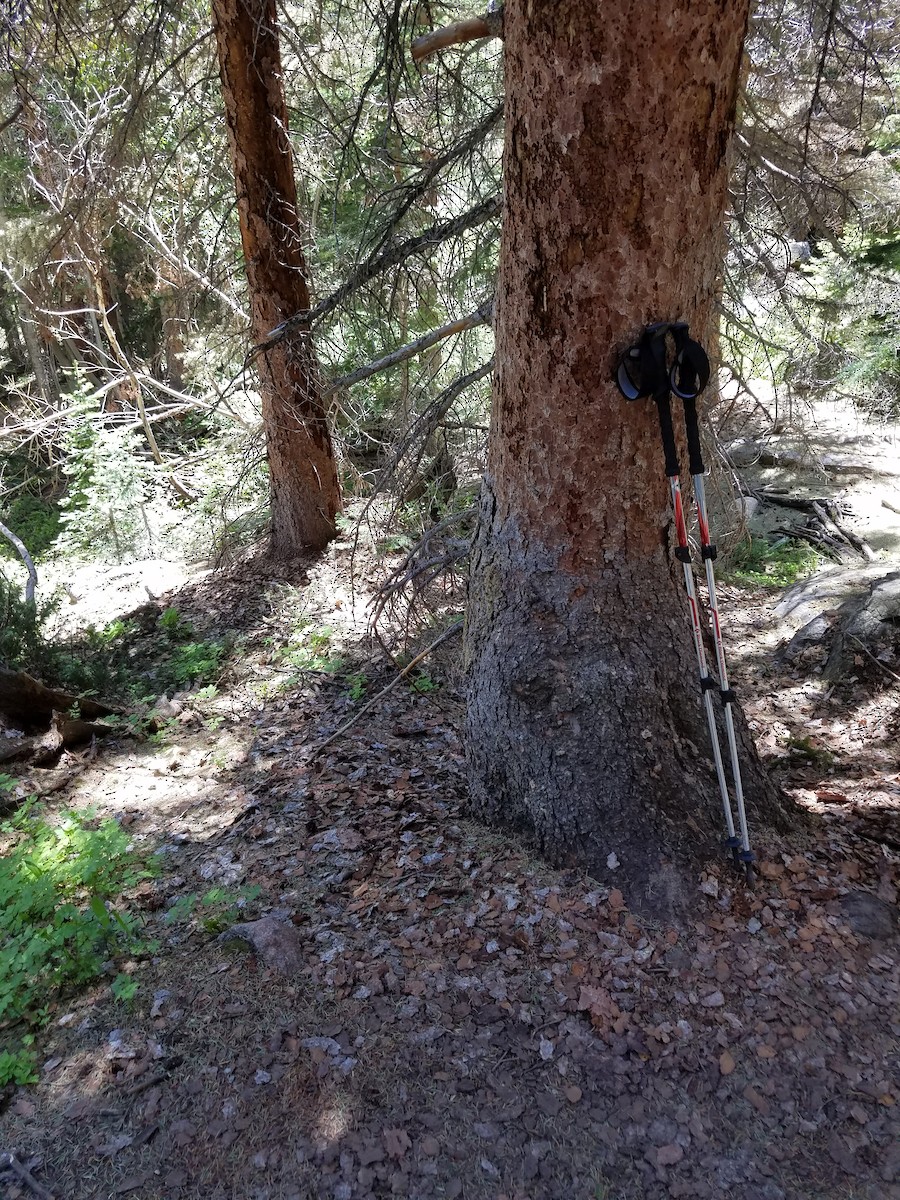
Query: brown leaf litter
(416, 1007)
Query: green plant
(174, 626)
(18, 1067)
(310, 649)
(215, 911)
(423, 683)
(357, 684)
(35, 521)
(58, 921)
(124, 988)
(757, 561)
(196, 660)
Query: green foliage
(215, 911)
(174, 626)
(124, 988)
(18, 1067)
(110, 481)
(357, 685)
(197, 661)
(310, 649)
(757, 561)
(58, 923)
(35, 521)
(22, 643)
(423, 683)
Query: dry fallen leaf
(600, 1004)
(396, 1142)
(726, 1062)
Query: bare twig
(445, 637)
(472, 29)
(481, 316)
(9, 1162)
(877, 661)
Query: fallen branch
(445, 636)
(481, 316)
(472, 29)
(9, 1162)
(26, 559)
(877, 661)
(28, 702)
(827, 514)
(821, 541)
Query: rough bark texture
(29, 703)
(304, 480)
(585, 724)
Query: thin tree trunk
(304, 481)
(585, 724)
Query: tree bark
(305, 491)
(586, 729)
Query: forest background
(132, 425)
(134, 430)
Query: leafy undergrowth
(458, 1020)
(58, 923)
(757, 562)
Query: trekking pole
(644, 372)
(687, 374)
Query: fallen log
(29, 704)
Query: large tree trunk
(304, 481)
(585, 724)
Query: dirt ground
(460, 1020)
(428, 1010)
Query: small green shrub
(423, 683)
(759, 562)
(18, 1067)
(35, 521)
(357, 683)
(215, 911)
(57, 927)
(196, 661)
(124, 988)
(174, 626)
(310, 649)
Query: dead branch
(427, 421)
(424, 562)
(441, 231)
(445, 636)
(28, 702)
(481, 316)
(472, 29)
(26, 559)
(877, 661)
(9, 1162)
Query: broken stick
(445, 636)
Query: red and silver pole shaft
(708, 552)
(707, 683)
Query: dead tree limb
(376, 265)
(472, 29)
(481, 316)
(26, 558)
(28, 702)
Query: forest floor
(429, 1011)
